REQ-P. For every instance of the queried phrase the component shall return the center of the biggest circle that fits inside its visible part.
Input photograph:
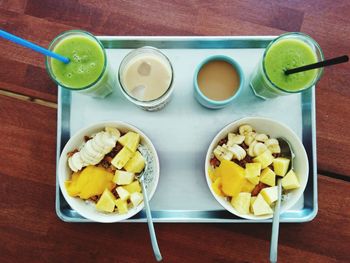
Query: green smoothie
(288, 51)
(86, 62)
(287, 54)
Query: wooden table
(30, 231)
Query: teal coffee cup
(218, 80)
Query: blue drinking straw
(33, 46)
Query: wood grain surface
(30, 231)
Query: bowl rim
(221, 200)
(63, 162)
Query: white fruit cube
(252, 200)
(123, 194)
(280, 166)
(241, 203)
(268, 177)
(265, 159)
(261, 207)
(290, 181)
(270, 194)
(136, 198)
(123, 177)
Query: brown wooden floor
(30, 231)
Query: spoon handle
(152, 232)
(275, 226)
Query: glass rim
(149, 102)
(62, 35)
(320, 70)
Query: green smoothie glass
(88, 71)
(290, 50)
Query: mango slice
(232, 177)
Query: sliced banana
(75, 162)
(238, 152)
(113, 131)
(222, 153)
(273, 146)
(261, 137)
(244, 129)
(250, 150)
(259, 148)
(235, 139)
(249, 138)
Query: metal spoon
(145, 153)
(287, 152)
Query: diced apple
(216, 185)
(241, 203)
(136, 198)
(232, 176)
(122, 158)
(270, 194)
(122, 206)
(106, 201)
(261, 207)
(265, 159)
(123, 194)
(123, 178)
(136, 163)
(290, 181)
(268, 177)
(133, 187)
(130, 140)
(280, 166)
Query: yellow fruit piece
(265, 159)
(261, 207)
(268, 177)
(290, 181)
(123, 194)
(212, 174)
(252, 200)
(136, 163)
(90, 182)
(133, 187)
(130, 140)
(136, 198)
(232, 177)
(122, 158)
(123, 177)
(247, 186)
(253, 169)
(241, 203)
(106, 202)
(280, 166)
(121, 205)
(270, 194)
(217, 185)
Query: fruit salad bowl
(128, 195)
(234, 180)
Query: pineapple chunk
(130, 140)
(106, 201)
(241, 203)
(133, 187)
(268, 177)
(136, 198)
(122, 158)
(252, 200)
(261, 207)
(253, 169)
(270, 194)
(265, 159)
(232, 177)
(216, 185)
(290, 181)
(123, 194)
(280, 166)
(136, 163)
(247, 186)
(123, 178)
(122, 206)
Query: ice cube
(144, 69)
(138, 92)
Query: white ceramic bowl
(87, 209)
(274, 129)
